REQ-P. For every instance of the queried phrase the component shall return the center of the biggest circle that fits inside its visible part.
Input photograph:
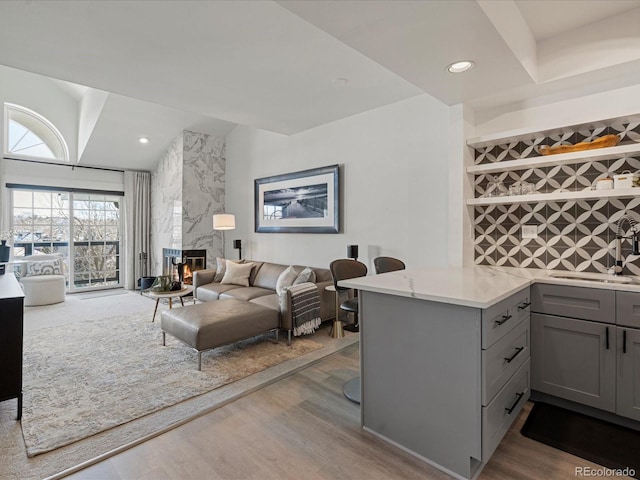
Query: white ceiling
(548, 18)
(208, 65)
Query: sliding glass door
(96, 240)
(83, 227)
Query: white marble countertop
(479, 287)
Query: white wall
(41, 95)
(394, 172)
(461, 187)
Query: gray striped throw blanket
(305, 308)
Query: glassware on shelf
(495, 188)
(528, 188)
(515, 189)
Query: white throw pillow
(47, 267)
(286, 279)
(221, 267)
(237, 273)
(306, 275)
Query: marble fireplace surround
(187, 189)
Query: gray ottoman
(221, 322)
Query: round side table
(185, 290)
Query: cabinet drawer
(502, 317)
(503, 358)
(575, 302)
(628, 309)
(498, 416)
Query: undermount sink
(592, 277)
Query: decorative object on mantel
(299, 202)
(602, 142)
(352, 252)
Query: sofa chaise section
(214, 324)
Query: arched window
(29, 134)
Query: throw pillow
(46, 267)
(306, 275)
(221, 267)
(237, 273)
(286, 279)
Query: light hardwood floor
(302, 427)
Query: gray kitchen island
(444, 361)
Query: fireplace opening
(180, 264)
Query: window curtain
(4, 204)
(137, 212)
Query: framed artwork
(298, 202)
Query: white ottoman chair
(43, 290)
(42, 279)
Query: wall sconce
(352, 252)
(238, 244)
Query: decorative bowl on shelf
(602, 142)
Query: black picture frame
(300, 202)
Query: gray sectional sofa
(262, 291)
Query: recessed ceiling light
(462, 66)
(340, 82)
(143, 140)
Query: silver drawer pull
(518, 350)
(510, 409)
(524, 305)
(504, 319)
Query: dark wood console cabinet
(11, 329)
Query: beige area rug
(14, 462)
(81, 379)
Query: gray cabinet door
(628, 309)
(574, 359)
(628, 399)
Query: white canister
(625, 180)
(604, 183)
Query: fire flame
(187, 276)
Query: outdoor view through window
(83, 227)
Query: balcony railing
(52, 247)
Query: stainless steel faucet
(619, 265)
